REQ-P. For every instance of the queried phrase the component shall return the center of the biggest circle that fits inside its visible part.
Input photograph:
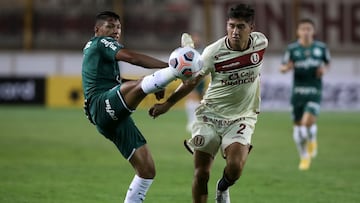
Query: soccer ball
(185, 62)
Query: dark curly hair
(243, 11)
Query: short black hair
(243, 11)
(306, 20)
(104, 15)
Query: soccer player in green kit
(109, 101)
(309, 59)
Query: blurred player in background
(109, 101)
(309, 60)
(194, 97)
(228, 112)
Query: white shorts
(211, 131)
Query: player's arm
(287, 63)
(140, 59)
(284, 68)
(185, 88)
(322, 70)
(326, 65)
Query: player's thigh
(297, 112)
(132, 93)
(204, 138)
(237, 153)
(125, 135)
(239, 132)
(311, 111)
(109, 108)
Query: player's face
(306, 31)
(238, 31)
(110, 28)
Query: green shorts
(112, 119)
(299, 110)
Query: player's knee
(234, 169)
(148, 172)
(202, 175)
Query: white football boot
(222, 196)
(186, 40)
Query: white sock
(190, 106)
(157, 81)
(137, 190)
(313, 132)
(300, 136)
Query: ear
(252, 27)
(96, 28)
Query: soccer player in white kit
(228, 112)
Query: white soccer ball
(185, 62)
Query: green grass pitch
(56, 156)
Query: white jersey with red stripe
(234, 89)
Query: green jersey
(306, 62)
(100, 69)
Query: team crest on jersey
(255, 58)
(317, 52)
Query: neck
(241, 46)
(306, 42)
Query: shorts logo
(198, 140)
(109, 110)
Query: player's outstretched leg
(157, 81)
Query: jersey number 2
(242, 128)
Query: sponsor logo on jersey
(109, 110)
(221, 54)
(307, 63)
(108, 44)
(239, 81)
(243, 61)
(222, 122)
(305, 90)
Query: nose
(236, 30)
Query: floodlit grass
(55, 155)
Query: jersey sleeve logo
(87, 45)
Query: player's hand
(158, 109)
(160, 95)
(286, 67)
(320, 71)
